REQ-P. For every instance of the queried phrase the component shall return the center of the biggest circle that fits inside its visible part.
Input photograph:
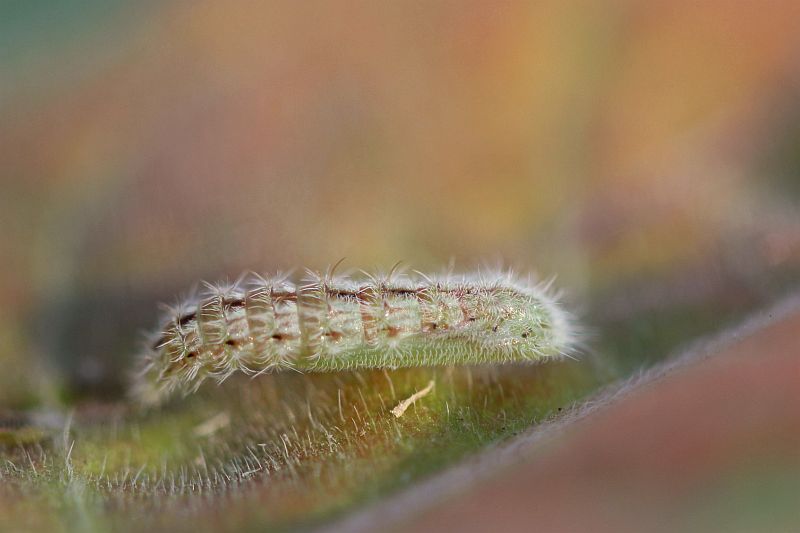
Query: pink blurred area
(711, 446)
(153, 144)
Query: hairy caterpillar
(330, 323)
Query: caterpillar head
(525, 322)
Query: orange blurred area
(146, 145)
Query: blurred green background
(644, 152)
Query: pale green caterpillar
(331, 323)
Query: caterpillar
(329, 323)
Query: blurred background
(646, 153)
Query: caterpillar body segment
(333, 323)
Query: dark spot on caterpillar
(342, 294)
(525, 335)
(283, 296)
(494, 329)
(403, 292)
(277, 336)
(231, 342)
(181, 321)
(429, 326)
(191, 354)
(185, 319)
(234, 304)
(333, 335)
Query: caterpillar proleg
(329, 323)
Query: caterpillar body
(330, 323)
